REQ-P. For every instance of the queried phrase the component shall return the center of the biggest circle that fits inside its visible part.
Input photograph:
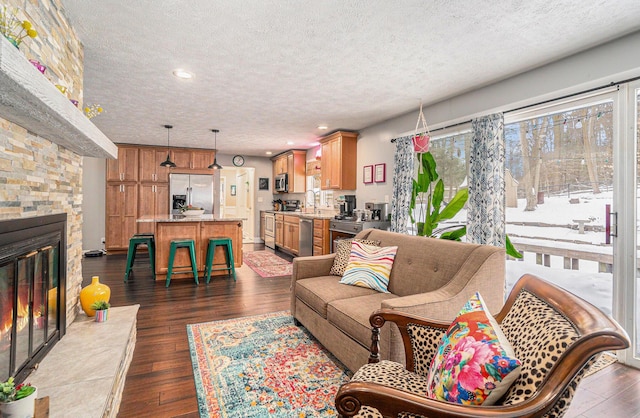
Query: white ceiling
(270, 71)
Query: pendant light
(168, 162)
(215, 164)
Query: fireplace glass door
(32, 283)
(29, 295)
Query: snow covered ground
(586, 282)
(562, 232)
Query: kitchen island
(200, 229)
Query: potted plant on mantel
(17, 401)
(102, 310)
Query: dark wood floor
(160, 379)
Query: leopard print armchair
(555, 334)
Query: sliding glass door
(559, 161)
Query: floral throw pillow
(474, 364)
(343, 251)
(369, 266)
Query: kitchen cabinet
(279, 165)
(339, 160)
(291, 238)
(121, 214)
(200, 231)
(294, 164)
(321, 237)
(262, 223)
(279, 230)
(195, 159)
(150, 169)
(139, 166)
(153, 201)
(125, 168)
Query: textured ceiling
(270, 71)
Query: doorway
(237, 196)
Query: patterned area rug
(262, 366)
(606, 359)
(267, 264)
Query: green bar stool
(182, 243)
(225, 243)
(140, 239)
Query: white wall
(93, 203)
(611, 62)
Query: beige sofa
(430, 277)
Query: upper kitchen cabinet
(279, 164)
(195, 159)
(125, 168)
(150, 169)
(339, 160)
(294, 164)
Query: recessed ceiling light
(182, 74)
(322, 127)
(268, 152)
(289, 142)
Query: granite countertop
(182, 218)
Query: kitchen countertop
(305, 215)
(182, 218)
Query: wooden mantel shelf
(28, 99)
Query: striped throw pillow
(369, 266)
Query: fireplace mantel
(28, 99)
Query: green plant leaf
(456, 204)
(454, 235)
(429, 166)
(438, 195)
(510, 249)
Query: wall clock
(238, 160)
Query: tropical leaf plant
(426, 210)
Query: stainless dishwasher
(306, 237)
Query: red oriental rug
(262, 366)
(267, 264)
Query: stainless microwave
(281, 183)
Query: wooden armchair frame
(597, 333)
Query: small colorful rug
(262, 366)
(267, 264)
(605, 360)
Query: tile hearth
(84, 374)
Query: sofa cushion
(474, 363)
(316, 292)
(351, 316)
(369, 266)
(343, 251)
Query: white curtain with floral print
(402, 182)
(485, 215)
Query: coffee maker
(378, 211)
(347, 207)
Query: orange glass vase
(92, 293)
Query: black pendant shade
(215, 164)
(168, 162)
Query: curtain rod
(566, 96)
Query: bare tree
(532, 137)
(589, 158)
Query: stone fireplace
(43, 139)
(32, 291)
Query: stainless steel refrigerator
(191, 189)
